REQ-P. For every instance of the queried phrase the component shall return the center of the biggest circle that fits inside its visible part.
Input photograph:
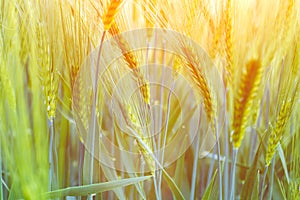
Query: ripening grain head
(110, 13)
(228, 41)
(131, 61)
(278, 130)
(247, 92)
(7, 90)
(200, 81)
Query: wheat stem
(195, 166)
(166, 131)
(211, 168)
(233, 169)
(272, 179)
(51, 163)
(93, 124)
(263, 183)
(219, 161)
(226, 149)
(80, 162)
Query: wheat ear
(110, 14)
(47, 73)
(7, 88)
(228, 41)
(131, 62)
(201, 83)
(243, 101)
(278, 130)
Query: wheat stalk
(243, 102)
(107, 19)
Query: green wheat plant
(149, 99)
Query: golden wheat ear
(110, 14)
(131, 61)
(243, 101)
(228, 42)
(201, 82)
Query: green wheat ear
(8, 92)
(278, 130)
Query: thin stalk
(94, 117)
(254, 133)
(80, 164)
(110, 194)
(50, 155)
(55, 159)
(263, 183)
(166, 132)
(142, 172)
(201, 184)
(211, 169)
(195, 166)
(5, 186)
(272, 177)
(157, 194)
(156, 129)
(233, 168)
(219, 163)
(226, 164)
(161, 119)
(147, 75)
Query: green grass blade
(207, 193)
(111, 175)
(174, 188)
(94, 188)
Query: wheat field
(150, 99)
